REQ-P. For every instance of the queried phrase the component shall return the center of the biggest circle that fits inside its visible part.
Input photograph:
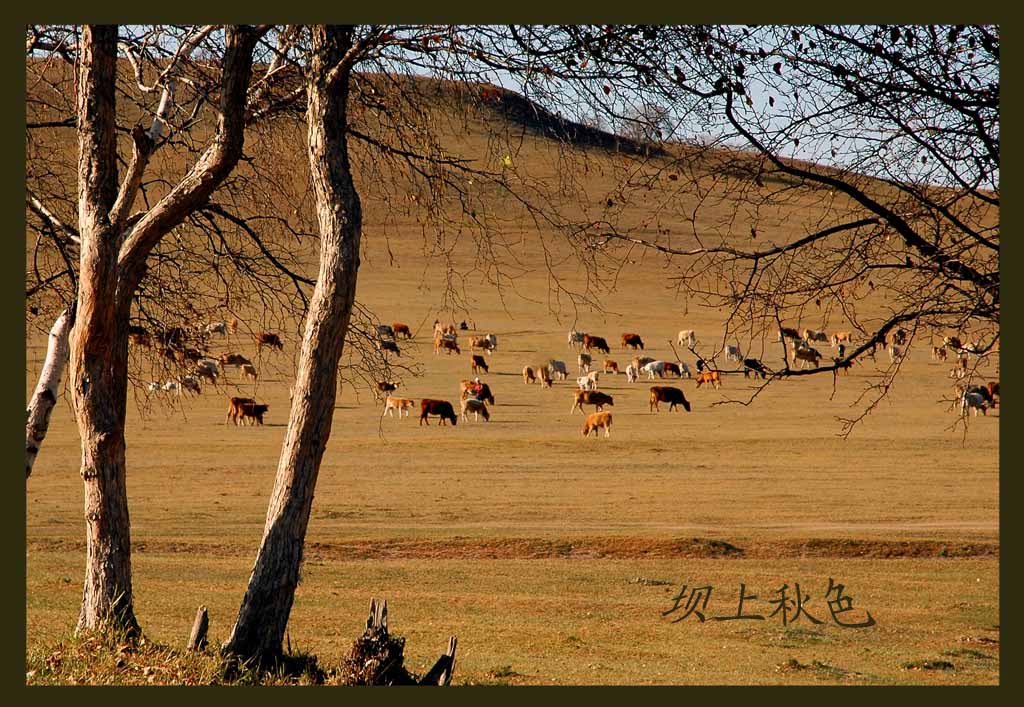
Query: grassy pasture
(524, 539)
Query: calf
(267, 339)
(752, 365)
(632, 341)
(610, 365)
(400, 404)
(402, 329)
(709, 376)
(670, 395)
(590, 397)
(477, 407)
(687, 337)
(441, 408)
(528, 375)
(478, 362)
(254, 412)
(596, 421)
(595, 342)
(583, 361)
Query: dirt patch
(615, 548)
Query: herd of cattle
(475, 395)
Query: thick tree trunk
(263, 616)
(45, 397)
(94, 354)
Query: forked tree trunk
(260, 627)
(44, 399)
(108, 575)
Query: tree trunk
(263, 616)
(45, 397)
(94, 354)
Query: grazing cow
(254, 412)
(709, 376)
(385, 387)
(207, 370)
(804, 354)
(388, 346)
(544, 376)
(266, 339)
(590, 397)
(576, 337)
(984, 392)
(684, 370)
(583, 361)
(939, 353)
(670, 395)
(441, 408)
(640, 361)
(191, 385)
(595, 342)
(732, 353)
(187, 355)
(465, 387)
(383, 330)
(477, 407)
(596, 421)
(229, 359)
(687, 337)
(445, 345)
(788, 333)
(557, 368)
(487, 343)
(235, 408)
(674, 369)
(586, 383)
(249, 371)
(633, 341)
(216, 328)
(400, 404)
(402, 329)
(528, 375)
(840, 337)
(752, 365)
(895, 352)
(610, 365)
(973, 401)
(813, 335)
(652, 368)
(477, 363)
(631, 373)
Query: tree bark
(263, 616)
(45, 397)
(107, 596)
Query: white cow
(586, 383)
(631, 374)
(654, 367)
(688, 337)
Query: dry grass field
(550, 556)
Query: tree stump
(197, 641)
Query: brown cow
(478, 362)
(590, 397)
(235, 408)
(229, 359)
(632, 341)
(255, 412)
(595, 342)
(610, 365)
(670, 395)
(596, 421)
(400, 328)
(400, 404)
(465, 387)
(249, 371)
(528, 375)
(441, 408)
(673, 368)
(993, 392)
(544, 376)
(709, 376)
(264, 338)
